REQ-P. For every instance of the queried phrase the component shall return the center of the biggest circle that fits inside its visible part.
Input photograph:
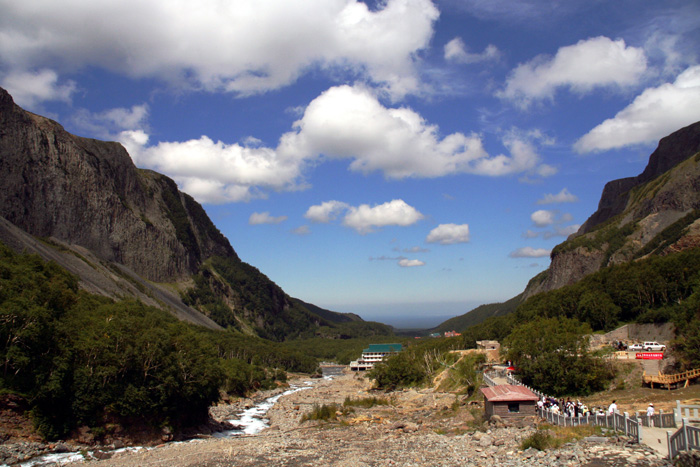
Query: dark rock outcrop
(89, 193)
(671, 150)
(655, 212)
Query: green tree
(552, 355)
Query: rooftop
(383, 348)
(508, 393)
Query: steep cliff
(130, 232)
(89, 193)
(672, 150)
(655, 212)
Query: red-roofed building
(509, 401)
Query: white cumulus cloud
(456, 51)
(326, 211)
(588, 64)
(410, 263)
(110, 123)
(246, 46)
(543, 218)
(364, 218)
(258, 218)
(564, 196)
(31, 88)
(216, 172)
(653, 114)
(449, 234)
(344, 122)
(301, 230)
(349, 122)
(530, 252)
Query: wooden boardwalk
(671, 381)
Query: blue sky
(406, 160)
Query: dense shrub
(540, 440)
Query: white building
(375, 353)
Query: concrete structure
(509, 401)
(373, 354)
(631, 333)
(488, 345)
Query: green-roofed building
(373, 354)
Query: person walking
(612, 408)
(650, 414)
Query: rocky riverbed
(418, 428)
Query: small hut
(509, 401)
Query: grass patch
(553, 437)
(366, 402)
(325, 412)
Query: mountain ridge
(130, 232)
(654, 213)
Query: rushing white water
(252, 421)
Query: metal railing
(686, 411)
(687, 437)
(659, 420)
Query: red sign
(650, 356)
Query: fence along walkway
(687, 437)
(671, 380)
(631, 426)
(687, 411)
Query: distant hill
(478, 315)
(332, 316)
(129, 232)
(656, 213)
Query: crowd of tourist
(570, 408)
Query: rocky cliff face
(655, 212)
(125, 230)
(89, 193)
(672, 150)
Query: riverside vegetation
(84, 360)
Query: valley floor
(420, 428)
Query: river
(251, 422)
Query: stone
(485, 441)
(118, 444)
(102, 455)
(61, 448)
